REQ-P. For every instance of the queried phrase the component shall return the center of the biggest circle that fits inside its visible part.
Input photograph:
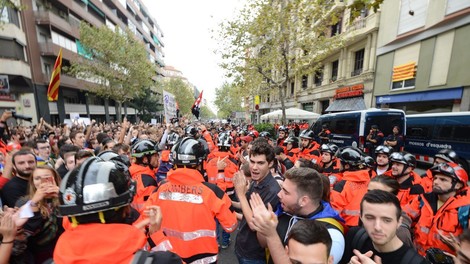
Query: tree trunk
(118, 111)
(283, 104)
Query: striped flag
(196, 106)
(53, 89)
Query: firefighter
(194, 206)
(330, 164)
(403, 164)
(96, 197)
(442, 213)
(309, 148)
(145, 153)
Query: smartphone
(47, 180)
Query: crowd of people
(167, 193)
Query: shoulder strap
(332, 222)
(410, 257)
(359, 238)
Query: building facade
(345, 80)
(422, 56)
(49, 25)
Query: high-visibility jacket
(426, 181)
(210, 143)
(146, 184)
(311, 153)
(347, 194)
(293, 154)
(99, 243)
(429, 220)
(332, 172)
(223, 179)
(190, 206)
(410, 188)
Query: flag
(196, 106)
(53, 89)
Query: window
(9, 15)
(412, 15)
(358, 62)
(318, 77)
(456, 5)
(47, 69)
(334, 70)
(336, 28)
(410, 83)
(304, 81)
(292, 88)
(11, 50)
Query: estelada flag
(53, 89)
(197, 105)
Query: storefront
(435, 101)
(348, 98)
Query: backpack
(361, 236)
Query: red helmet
(452, 170)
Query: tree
(184, 95)
(6, 7)
(207, 113)
(228, 98)
(115, 63)
(147, 104)
(272, 41)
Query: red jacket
(347, 195)
(190, 206)
(410, 188)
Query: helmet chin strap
(402, 172)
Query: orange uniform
(98, 243)
(190, 207)
(333, 172)
(347, 195)
(312, 153)
(146, 184)
(410, 188)
(430, 219)
(223, 179)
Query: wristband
(8, 242)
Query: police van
(429, 133)
(352, 128)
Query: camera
(22, 117)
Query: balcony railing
(356, 72)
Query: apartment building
(422, 56)
(16, 88)
(49, 25)
(345, 81)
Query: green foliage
(147, 104)
(271, 42)
(266, 127)
(14, 4)
(206, 113)
(358, 5)
(228, 99)
(116, 63)
(184, 95)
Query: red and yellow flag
(53, 89)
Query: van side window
(421, 132)
(461, 133)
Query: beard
(294, 209)
(26, 174)
(439, 190)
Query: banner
(4, 84)
(169, 106)
(195, 109)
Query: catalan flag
(404, 72)
(54, 83)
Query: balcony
(51, 49)
(362, 26)
(61, 23)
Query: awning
(347, 104)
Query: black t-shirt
(13, 190)
(394, 257)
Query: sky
(186, 26)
